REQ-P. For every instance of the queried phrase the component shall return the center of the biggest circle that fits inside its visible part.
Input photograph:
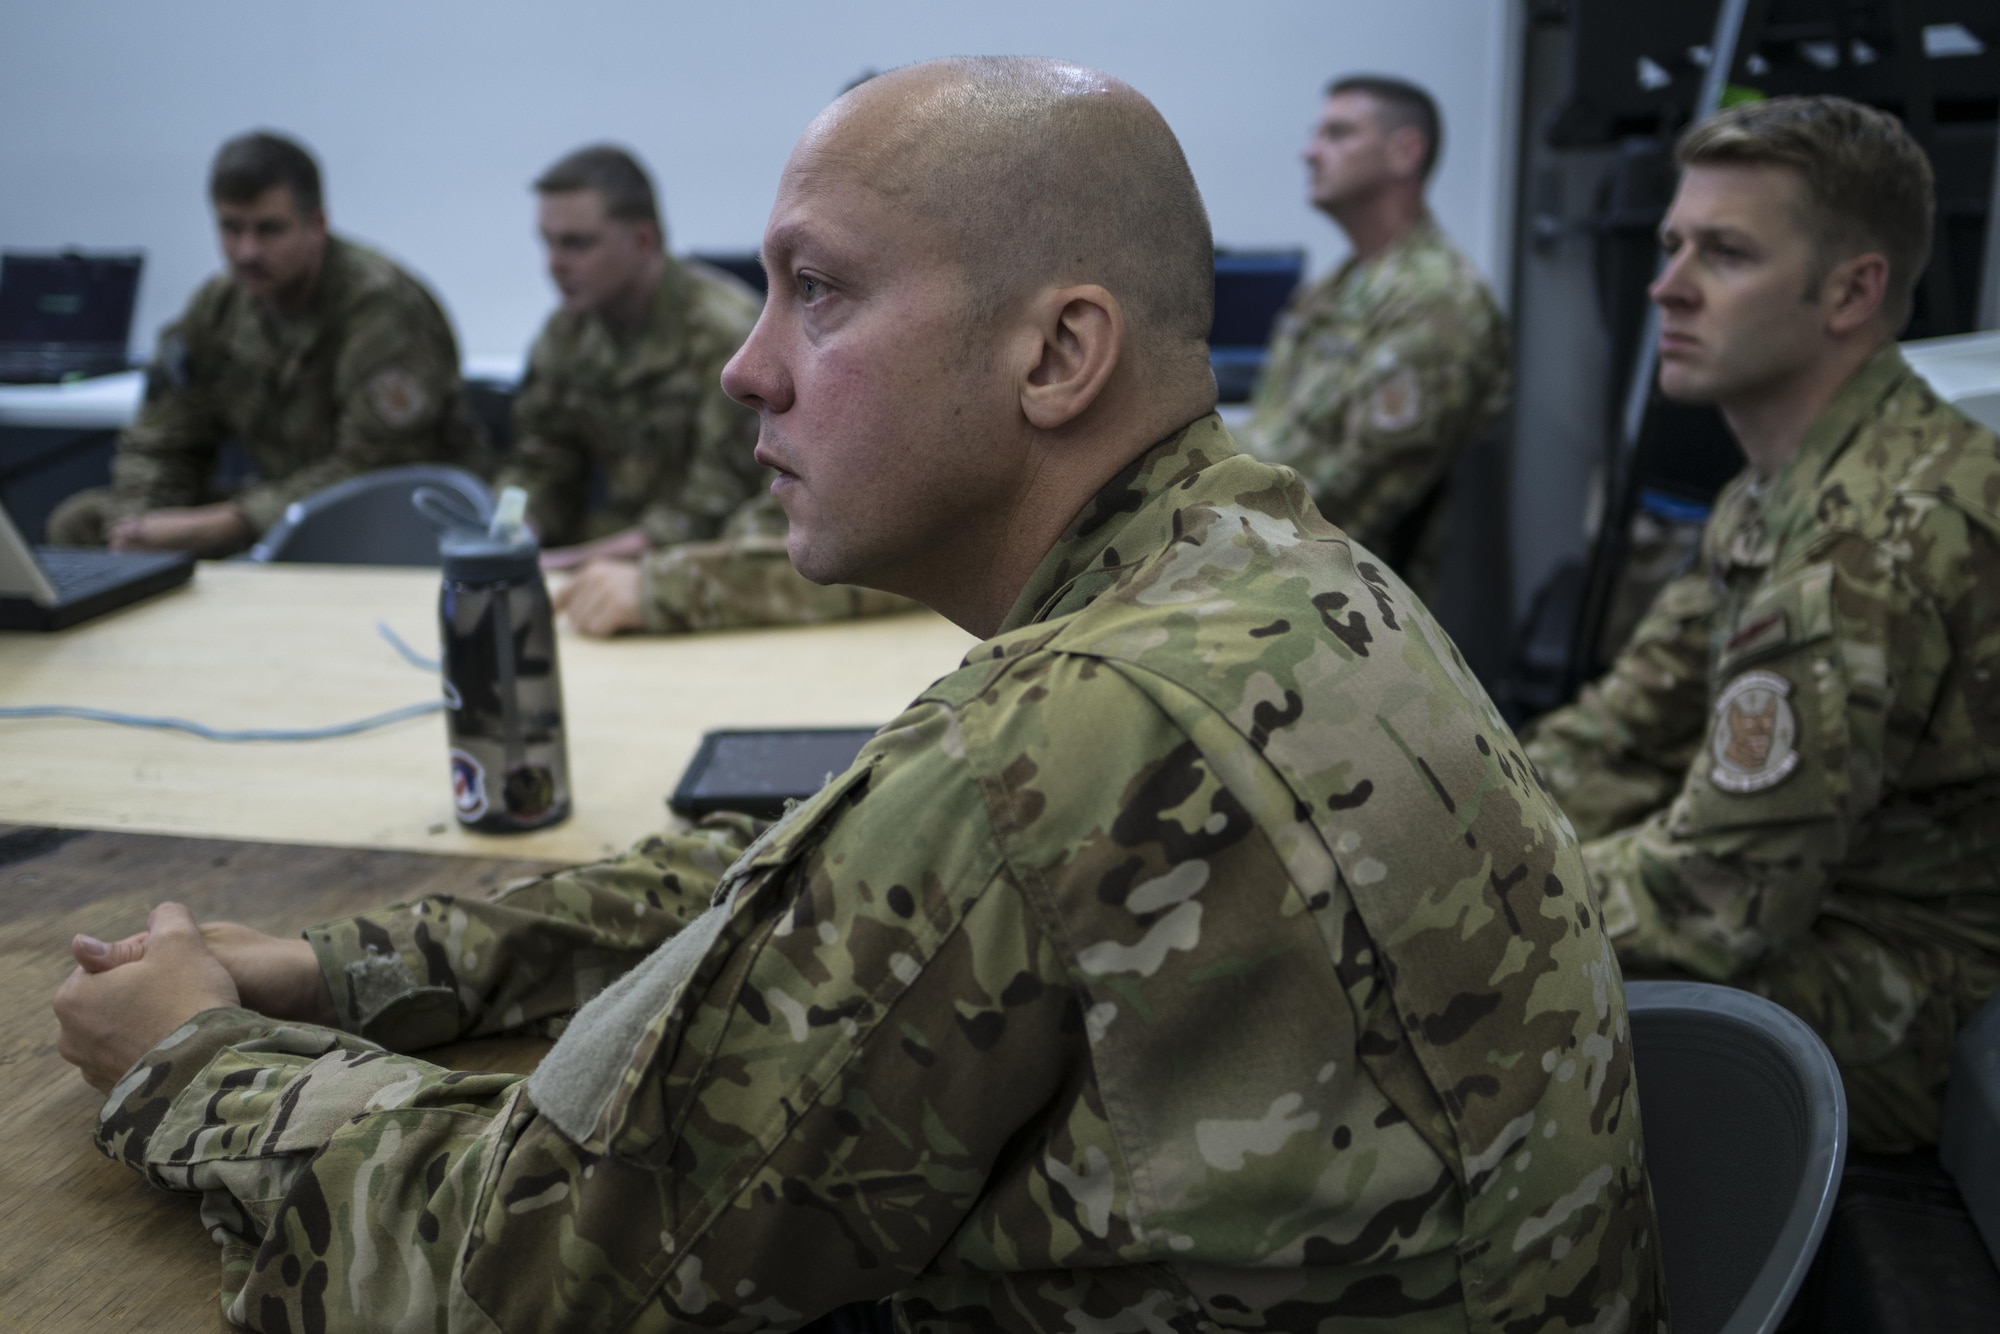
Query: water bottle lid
(480, 558)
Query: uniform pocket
(588, 1083)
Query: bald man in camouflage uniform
(1383, 371)
(1791, 776)
(320, 356)
(1202, 951)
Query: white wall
(431, 116)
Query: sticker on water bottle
(468, 785)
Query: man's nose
(1672, 287)
(753, 376)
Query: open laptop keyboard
(78, 572)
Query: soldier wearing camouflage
(1243, 975)
(366, 376)
(1791, 778)
(1382, 372)
(649, 415)
(1378, 376)
(744, 580)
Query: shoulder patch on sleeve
(1397, 402)
(1753, 738)
(398, 396)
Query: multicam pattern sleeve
(1785, 772)
(1378, 377)
(396, 398)
(415, 975)
(366, 377)
(1201, 952)
(647, 416)
(1622, 750)
(550, 458)
(745, 579)
(1832, 838)
(166, 456)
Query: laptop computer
(52, 588)
(65, 314)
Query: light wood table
(292, 645)
(85, 1243)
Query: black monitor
(1251, 289)
(743, 264)
(65, 314)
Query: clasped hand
(126, 995)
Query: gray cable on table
(208, 733)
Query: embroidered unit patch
(1397, 403)
(1752, 741)
(399, 396)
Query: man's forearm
(415, 975)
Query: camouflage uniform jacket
(366, 377)
(1377, 377)
(1792, 773)
(1201, 953)
(674, 450)
(745, 579)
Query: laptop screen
(1251, 288)
(68, 301)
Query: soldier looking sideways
(1790, 779)
(321, 357)
(1201, 951)
(1384, 370)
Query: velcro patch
(399, 397)
(1397, 403)
(1752, 741)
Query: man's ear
(1854, 291)
(1081, 332)
(1405, 145)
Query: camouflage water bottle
(503, 691)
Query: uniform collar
(1130, 519)
(294, 334)
(1789, 495)
(1419, 235)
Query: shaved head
(1034, 173)
(991, 283)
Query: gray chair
(1746, 1133)
(371, 519)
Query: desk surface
(293, 646)
(86, 1244)
(101, 403)
(110, 402)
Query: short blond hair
(1868, 185)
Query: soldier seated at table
(1790, 779)
(1201, 953)
(623, 391)
(1383, 372)
(321, 357)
